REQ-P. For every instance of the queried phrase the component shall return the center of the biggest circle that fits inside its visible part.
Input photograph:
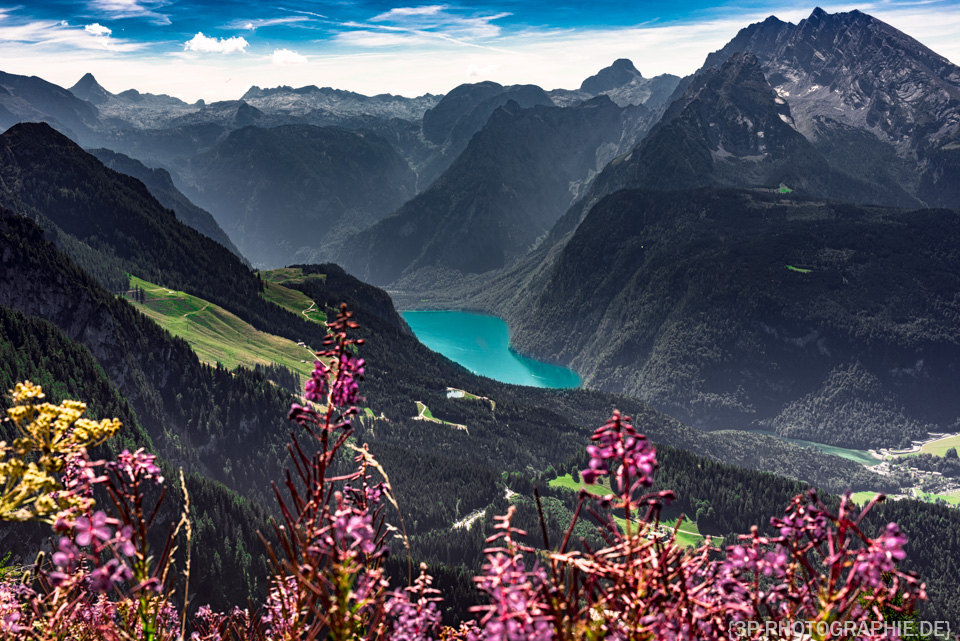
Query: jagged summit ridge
(857, 69)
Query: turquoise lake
(481, 344)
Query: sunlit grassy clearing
(216, 335)
(293, 300)
(289, 275)
(941, 446)
(952, 499)
(689, 537)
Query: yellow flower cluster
(48, 434)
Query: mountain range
(769, 244)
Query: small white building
(454, 393)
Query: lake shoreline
(480, 342)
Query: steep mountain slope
(755, 309)
(850, 69)
(186, 408)
(161, 187)
(279, 191)
(116, 220)
(516, 177)
(36, 350)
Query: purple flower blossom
(355, 530)
(90, 529)
(316, 388)
(619, 444)
(138, 466)
(104, 578)
(67, 555)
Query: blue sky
(215, 50)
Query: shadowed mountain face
(464, 111)
(161, 187)
(690, 300)
(517, 175)
(297, 188)
(108, 222)
(851, 70)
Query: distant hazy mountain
(849, 71)
(506, 190)
(87, 88)
(161, 186)
(130, 108)
(297, 188)
(306, 101)
(32, 99)
(625, 86)
(463, 112)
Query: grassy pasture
(216, 335)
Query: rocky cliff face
(730, 128)
(863, 73)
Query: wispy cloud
(258, 23)
(285, 58)
(146, 9)
(421, 25)
(205, 44)
(401, 13)
(57, 37)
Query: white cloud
(206, 44)
(285, 57)
(131, 9)
(96, 29)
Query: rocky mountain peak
(87, 88)
(735, 109)
(620, 73)
(858, 70)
